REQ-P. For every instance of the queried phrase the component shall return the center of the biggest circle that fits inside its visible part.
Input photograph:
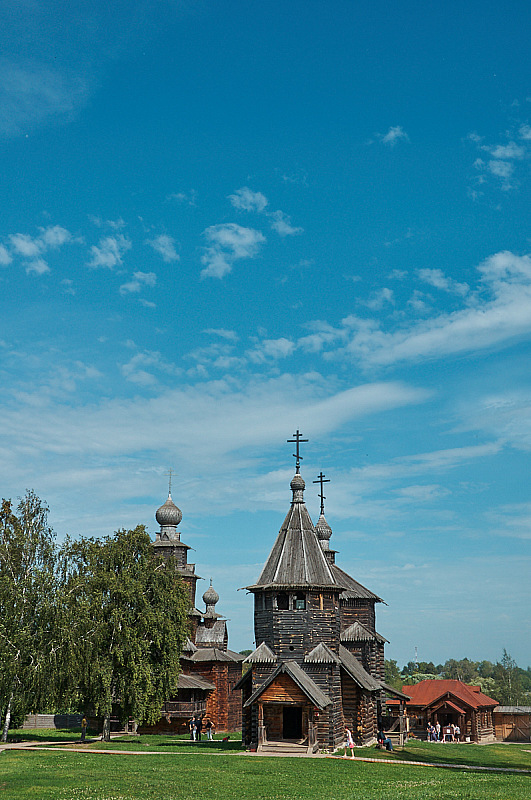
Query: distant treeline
(504, 681)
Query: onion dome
(210, 597)
(297, 487)
(168, 515)
(323, 529)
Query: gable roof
(429, 691)
(298, 676)
(321, 655)
(359, 675)
(357, 632)
(194, 682)
(262, 655)
(213, 654)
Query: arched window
(282, 601)
(300, 601)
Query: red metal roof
(428, 692)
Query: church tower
(168, 544)
(305, 683)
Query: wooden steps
(285, 747)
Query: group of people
(382, 741)
(197, 724)
(450, 733)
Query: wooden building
(319, 663)
(449, 702)
(512, 723)
(210, 670)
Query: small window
(300, 601)
(282, 601)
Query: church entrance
(292, 722)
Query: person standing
(438, 730)
(198, 727)
(191, 725)
(83, 728)
(209, 727)
(349, 743)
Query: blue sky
(222, 222)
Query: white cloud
(227, 243)
(525, 132)
(110, 251)
(230, 336)
(136, 369)
(281, 223)
(437, 278)
(271, 349)
(55, 236)
(38, 265)
(506, 151)
(394, 134)
(165, 246)
(505, 276)
(182, 197)
(380, 298)
(31, 93)
(246, 200)
(25, 245)
(5, 257)
(68, 287)
(140, 280)
(502, 169)
(33, 248)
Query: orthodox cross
(170, 472)
(298, 439)
(321, 479)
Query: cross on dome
(298, 439)
(321, 479)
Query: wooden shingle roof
(352, 589)
(297, 559)
(303, 681)
(359, 675)
(358, 632)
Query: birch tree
(134, 608)
(28, 588)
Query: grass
(180, 771)
(492, 755)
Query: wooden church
(209, 670)
(319, 663)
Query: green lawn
(489, 755)
(179, 771)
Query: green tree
(508, 681)
(133, 609)
(392, 674)
(463, 670)
(28, 588)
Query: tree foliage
(28, 587)
(503, 681)
(132, 610)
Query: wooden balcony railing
(175, 708)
